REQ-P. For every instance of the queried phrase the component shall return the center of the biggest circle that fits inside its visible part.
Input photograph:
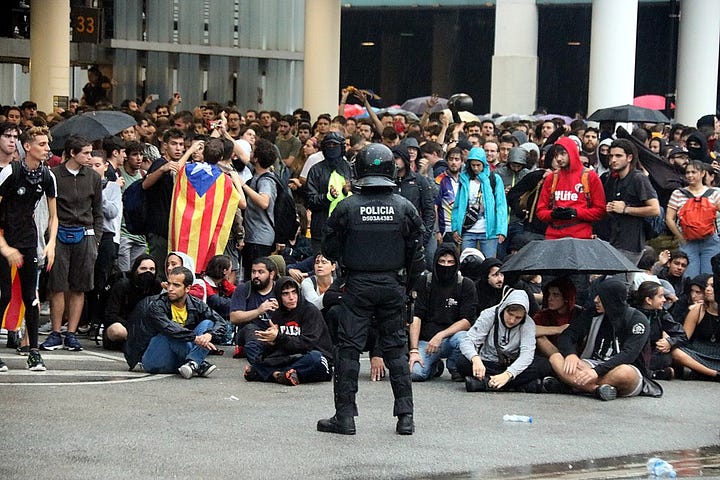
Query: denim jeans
(165, 354)
(699, 253)
(311, 367)
(488, 246)
(449, 349)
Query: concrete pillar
(612, 53)
(515, 62)
(49, 51)
(444, 41)
(697, 60)
(321, 68)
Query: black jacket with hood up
(416, 189)
(301, 329)
(622, 335)
(440, 305)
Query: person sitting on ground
(610, 362)
(174, 332)
(446, 304)
(693, 294)
(558, 309)
(295, 346)
(470, 262)
(498, 352)
(490, 285)
(315, 286)
(665, 333)
(671, 266)
(701, 354)
(214, 287)
(139, 283)
(179, 259)
(253, 302)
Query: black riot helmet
(375, 166)
(460, 102)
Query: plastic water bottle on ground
(660, 468)
(517, 418)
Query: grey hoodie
(519, 341)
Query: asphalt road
(88, 417)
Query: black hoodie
(701, 152)
(444, 302)
(302, 329)
(621, 336)
(487, 296)
(416, 189)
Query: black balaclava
(697, 153)
(143, 281)
(333, 148)
(445, 275)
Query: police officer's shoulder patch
(638, 328)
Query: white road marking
(50, 357)
(79, 373)
(144, 378)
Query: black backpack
(134, 208)
(285, 221)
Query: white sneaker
(187, 370)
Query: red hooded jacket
(569, 193)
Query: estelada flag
(15, 311)
(202, 212)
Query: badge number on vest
(380, 213)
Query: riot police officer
(376, 236)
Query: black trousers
(539, 368)
(368, 296)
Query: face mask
(603, 159)
(445, 274)
(145, 280)
(332, 152)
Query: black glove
(563, 213)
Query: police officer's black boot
(339, 424)
(405, 424)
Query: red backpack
(697, 216)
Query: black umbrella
(419, 104)
(91, 125)
(568, 256)
(628, 113)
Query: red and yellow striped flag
(202, 212)
(15, 312)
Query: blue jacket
(496, 210)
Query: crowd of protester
(483, 188)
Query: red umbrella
(653, 102)
(352, 110)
